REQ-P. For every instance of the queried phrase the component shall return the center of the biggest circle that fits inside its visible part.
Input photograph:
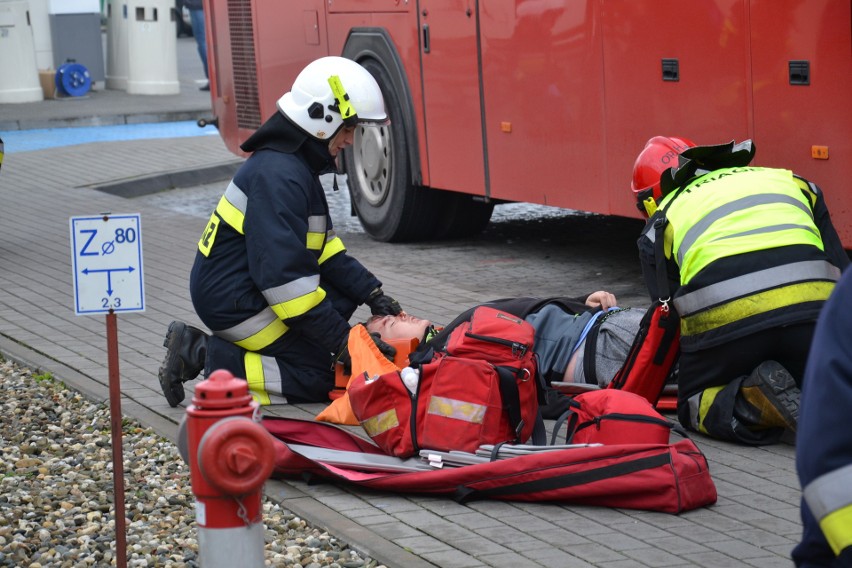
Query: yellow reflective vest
(748, 252)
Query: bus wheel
(389, 206)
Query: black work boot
(772, 390)
(186, 350)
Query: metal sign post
(108, 278)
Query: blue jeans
(196, 18)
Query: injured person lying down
(561, 326)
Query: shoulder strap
(511, 399)
(660, 255)
(591, 350)
(571, 416)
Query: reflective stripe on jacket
(829, 498)
(266, 253)
(749, 254)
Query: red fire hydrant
(230, 457)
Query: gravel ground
(56, 489)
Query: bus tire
(390, 207)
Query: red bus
(547, 101)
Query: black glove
(343, 356)
(389, 351)
(556, 404)
(382, 305)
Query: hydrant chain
(231, 455)
(242, 513)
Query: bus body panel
(545, 132)
(451, 95)
(706, 102)
(550, 101)
(790, 119)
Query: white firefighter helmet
(330, 92)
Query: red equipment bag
(652, 355)
(654, 477)
(482, 390)
(614, 417)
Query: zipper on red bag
(518, 349)
(629, 418)
(412, 398)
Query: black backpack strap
(495, 451)
(660, 256)
(539, 433)
(572, 418)
(590, 353)
(511, 398)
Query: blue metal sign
(107, 263)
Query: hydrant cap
(236, 456)
(221, 390)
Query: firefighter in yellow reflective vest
(824, 439)
(746, 256)
(271, 279)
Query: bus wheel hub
(372, 153)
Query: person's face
(341, 140)
(403, 326)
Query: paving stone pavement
(755, 522)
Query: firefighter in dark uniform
(824, 439)
(746, 256)
(271, 279)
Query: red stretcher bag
(655, 477)
(482, 390)
(610, 416)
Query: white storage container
(116, 13)
(19, 82)
(152, 48)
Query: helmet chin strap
(649, 205)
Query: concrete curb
(104, 120)
(145, 185)
(362, 539)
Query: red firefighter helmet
(660, 153)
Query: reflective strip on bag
(458, 409)
(380, 423)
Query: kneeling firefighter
(271, 279)
(746, 256)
